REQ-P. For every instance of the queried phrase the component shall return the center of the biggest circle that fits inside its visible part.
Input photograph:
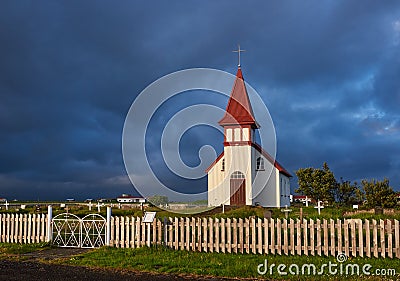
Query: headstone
(378, 210)
(286, 211)
(319, 207)
(355, 206)
(267, 214)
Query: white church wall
(216, 191)
(265, 182)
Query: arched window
(223, 165)
(237, 175)
(260, 164)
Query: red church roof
(238, 110)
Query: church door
(238, 189)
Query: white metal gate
(71, 231)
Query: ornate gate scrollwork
(72, 231)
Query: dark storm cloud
(69, 71)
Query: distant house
(127, 198)
(3, 200)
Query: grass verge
(17, 249)
(164, 260)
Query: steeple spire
(239, 110)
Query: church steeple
(239, 110)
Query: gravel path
(32, 267)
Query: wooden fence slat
(1, 228)
(205, 231)
(266, 231)
(319, 244)
(305, 236)
(298, 233)
(259, 235)
(389, 235)
(193, 228)
(25, 228)
(181, 233)
(127, 232)
(360, 238)
(291, 232)
(279, 236)
(122, 232)
(211, 239)
(247, 229)
(367, 238)
(312, 242)
(133, 232)
(375, 237)
(21, 228)
(223, 235)
(285, 237)
(326, 240)
(397, 238)
(217, 224)
(382, 238)
(235, 234)
(176, 228)
(187, 236)
(229, 235)
(253, 235)
(170, 233)
(272, 232)
(12, 222)
(353, 238)
(240, 229)
(117, 236)
(333, 240)
(346, 237)
(339, 236)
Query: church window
(237, 175)
(228, 134)
(260, 164)
(237, 134)
(245, 132)
(223, 165)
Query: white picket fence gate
(353, 237)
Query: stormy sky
(328, 71)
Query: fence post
(49, 224)
(108, 228)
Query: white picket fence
(354, 237)
(23, 228)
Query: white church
(245, 174)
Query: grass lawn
(17, 249)
(163, 260)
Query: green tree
(319, 184)
(348, 193)
(158, 200)
(379, 193)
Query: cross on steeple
(239, 51)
